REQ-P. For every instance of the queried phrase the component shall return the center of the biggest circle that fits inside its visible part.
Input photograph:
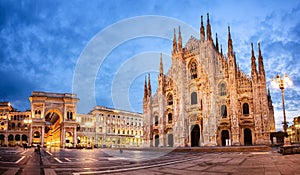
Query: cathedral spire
(230, 48)
(221, 50)
(179, 39)
(174, 42)
(202, 34)
(208, 29)
(145, 88)
(253, 63)
(260, 62)
(217, 42)
(149, 86)
(161, 67)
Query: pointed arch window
(246, 109)
(170, 118)
(156, 120)
(224, 111)
(170, 99)
(194, 98)
(193, 70)
(223, 89)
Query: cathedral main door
(170, 140)
(247, 137)
(195, 135)
(225, 135)
(156, 138)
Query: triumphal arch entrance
(53, 119)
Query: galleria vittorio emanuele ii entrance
(53, 119)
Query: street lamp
(282, 83)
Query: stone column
(6, 139)
(30, 135)
(62, 136)
(43, 135)
(74, 138)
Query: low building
(118, 128)
(53, 121)
(14, 125)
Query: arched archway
(2, 137)
(195, 135)
(17, 139)
(156, 138)
(224, 136)
(24, 138)
(11, 140)
(247, 137)
(52, 134)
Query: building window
(245, 109)
(170, 118)
(170, 99)
(223, 111)
(70, 115)
(194, 98)
(223, 89)
(36, 134)
(156, 120)
(193, 70)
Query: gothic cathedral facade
(206, 100)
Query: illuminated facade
(107, 127)
(205, 99)
(53, 121)
(294, 131)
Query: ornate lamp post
(282, 83)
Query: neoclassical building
(206, 99)
(109, 127)
(53, 121)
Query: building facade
(108, 127)
(294, 131)
(53, 121)
(206, 99)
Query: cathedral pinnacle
(217, 42)
(221, 50)
(149, 86)
(174, 42)
(208, 29)
(253, 63)
(230, 48)
(179, 39)
(260, 62)
(202, 34)
(161, 67)
(145, 88)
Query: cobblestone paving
(98, 161)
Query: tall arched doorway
(24, 138)
(52, 134)
(2, 137)
(247, 137)
(11, 140)
(170, 140)
(195, 135)
(156, 138)
(224, 136)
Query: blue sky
(42, 41)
